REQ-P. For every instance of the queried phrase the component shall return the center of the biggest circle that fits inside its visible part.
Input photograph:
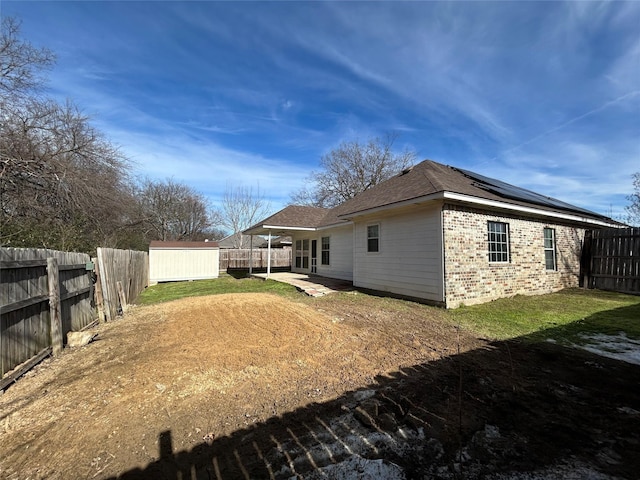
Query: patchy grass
(165, 292)
(562, 316)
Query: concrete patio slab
(312, 285)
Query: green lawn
(559, 315)
(165, 292)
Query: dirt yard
(258, 386)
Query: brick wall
(469, 276)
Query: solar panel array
(506, 190)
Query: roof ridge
(437, 185)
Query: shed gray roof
(183, 245)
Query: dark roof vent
(406, 170)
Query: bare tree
(633, 209)
(21, 63)
(57, 175)
(352, 168)
(242, 207)
(62, 184)
(173, 211)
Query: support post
(250, 254)
(54, 305)
(269, 255)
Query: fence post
(121, 296)
(54, 305)
(98, 291)
(104, 283)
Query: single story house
(180, 261)
(442, 235)
(240, 241)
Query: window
(550, 249)
(325, 250)
(498, 242)
(373, 238)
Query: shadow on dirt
(509, 407)
(239, 273)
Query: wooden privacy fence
(122, 276)
(44, 294)
(611, 259)
(239, 258)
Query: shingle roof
(237, 240)
(295, 216)
(429, 177)
(424, 179)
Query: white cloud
(541, 93)
(207, 166)
(593, 176)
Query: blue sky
(542, 95)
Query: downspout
(269, 255)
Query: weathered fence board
(130, 268)
(612, 260)
(25, 301)
(239, 258)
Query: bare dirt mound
(258, 386)
(194, 366)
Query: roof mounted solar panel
(512, 192)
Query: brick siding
(469, 276)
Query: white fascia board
(275, 227)
(520, 208)
(264, 229)
(335, 225)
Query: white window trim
(508, 233)
(322, 250)
(553, 249)
(378, 238)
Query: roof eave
(266, 229)
(470, 199)
(390, 206)
(342, 223)
(567, 216)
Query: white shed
(179, 261)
